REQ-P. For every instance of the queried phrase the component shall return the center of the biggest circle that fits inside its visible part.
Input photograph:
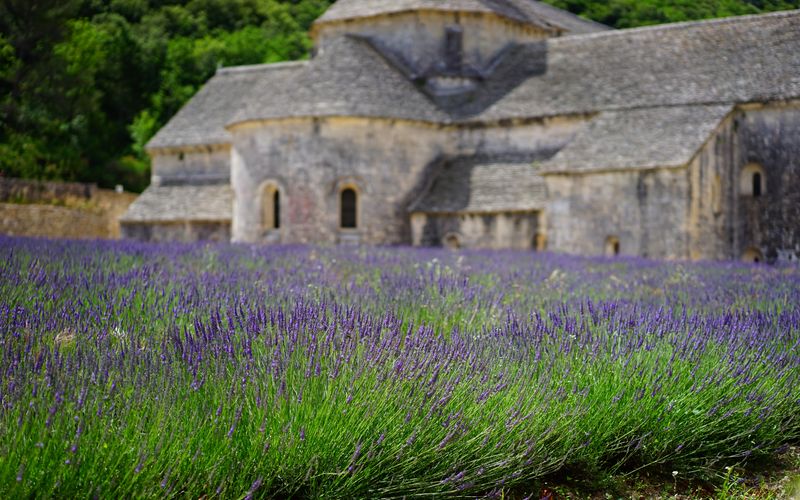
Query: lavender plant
(236, 371)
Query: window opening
(270, 208)
(349, 209)
(276, 209)
(753, 255)
(612, 246)
(452, 241)
(454, 48)
(757, 191)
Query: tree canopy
(84, 84)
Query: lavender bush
(219, 371)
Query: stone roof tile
(472, 185)
(206, 203)
(639, 139)
(348, 78)
(202, 120)
(744, 59)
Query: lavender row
(234, 371)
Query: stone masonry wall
(390, 164)
(645, 210)
(493, 231)
(419, 36)
(311, 161)
(186, 232)
(60, 210)
(727, 223)
(770, 138)
(712, 181)
(194, 165)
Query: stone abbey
(495, 124)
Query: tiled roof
(207, 203)
(202, 120)
(473, 185)
(641, 138)
(734, 60)
(729, 61)
(348, 78)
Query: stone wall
(312, 161)
(712, 181)
(768, 137)
(703, 211)
(493, 231)
(389, 163)
(27, 191)
(210, 164)
(726, 220)
(645, 210)
(420, 36)
(187, 232)
(60, 210)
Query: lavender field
(198, 371)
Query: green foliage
(84, 84)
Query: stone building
(496, 124)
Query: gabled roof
(348, 78)
(207, 203)
(728, 61)
(484, 185)
(639, 139)
(529, 12)
(202, 120)
(734, 60)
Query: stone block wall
(186, 232)
(420, 36)
(645, 210)
(60, 210)
(727, 222)
(493, 231)
(769, 138)
(390, 163)
(210, 164)
(312, 161)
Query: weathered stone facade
(504, 124)
(60, 209)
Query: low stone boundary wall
(60, 210)
(25, 191)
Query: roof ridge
(677, 26)
(254, 68)
(551, 10)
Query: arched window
(753, 181)
(349, 209)
(270, 208)
(452, 241)
(612, 246)
(753, 255)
